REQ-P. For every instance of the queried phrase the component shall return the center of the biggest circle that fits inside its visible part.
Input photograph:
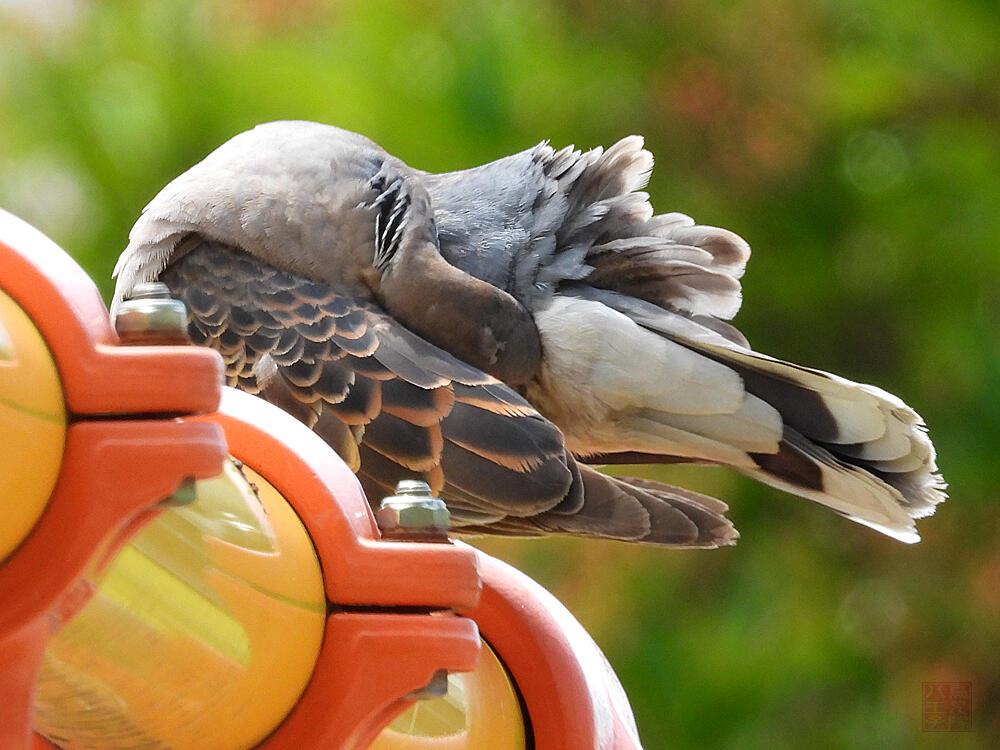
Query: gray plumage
(495, 330)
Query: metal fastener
(436, 688)
(413, 514)
(152, 316)
(185, 494)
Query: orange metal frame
(119, 464)
(97, 500)
(392, 621)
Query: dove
(502, 331)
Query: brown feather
(409, 445)
(420, 406)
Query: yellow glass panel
(202, 634)
(32, 423)
(480, 712)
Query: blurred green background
(854, 144)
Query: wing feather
(331, 359)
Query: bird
(502, 332)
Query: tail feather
(811, 471)
(849, 446)
(876, 463)
(859, 426)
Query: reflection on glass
(202, 633)
(480, 712)
(32, 425)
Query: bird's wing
(396, 406)
(343, 359)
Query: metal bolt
(152, 316)
(185, 494)
(436, 688)
(413, 514)
(414, 487)
(151, 290)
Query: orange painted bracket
(22, 657)
(117, 468)
(367, 662)
(114, 470)
(359, 569)
(381, 641)
(98, 376)
(572, 696)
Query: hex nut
(405, 516)
(152, 317)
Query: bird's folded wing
(393, 405)
(630, 509)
